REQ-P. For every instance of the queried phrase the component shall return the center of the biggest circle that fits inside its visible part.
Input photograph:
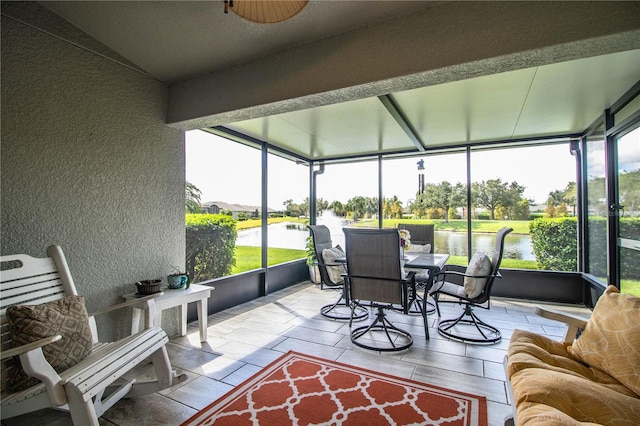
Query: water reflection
(455, 243)
(294, 235)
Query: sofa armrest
(574, 322)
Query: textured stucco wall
(89, 163)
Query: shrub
(555, 243)
(210, 242)
(597, 234)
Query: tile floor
(245, 338)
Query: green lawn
(630, 287)
(456, 225)
(248, 257)
(256, 223)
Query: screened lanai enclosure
(509, 149)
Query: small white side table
(170, 298)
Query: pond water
(294, 235)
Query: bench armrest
(147, 304)
(29, 347)
(35, 365)
(140, 303)
(574, 322)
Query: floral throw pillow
(66, 317)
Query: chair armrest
(29, 347)
(457, 277)
(574, 322)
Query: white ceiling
(174, 41)
(550, 100)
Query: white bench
(81, 388)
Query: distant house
(236, 210)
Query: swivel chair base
(341, 311)
(382, 324)
(489, 333)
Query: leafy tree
(519, 211)
(338, 208)
(437, 199)
(322, 205)
(558, 201)
(288, 207)
(571, 196)
(192, 198)
(392, 207)
(493, 193)
(370, 206)
(357, 207)
(596, 195)
(304, 207)
(629, 188)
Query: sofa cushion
(334, 270)
(531, 350)
(577, 397)
(611, 338)
(66, 317)
(479, 265)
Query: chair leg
(435, 299)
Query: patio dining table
(432, 262)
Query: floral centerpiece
(405, 240)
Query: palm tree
(192, 198)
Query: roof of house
(234, 207)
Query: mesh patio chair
(331, 277)
(421, 234)
(376, 279)
(470, 287)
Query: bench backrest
(25, 280)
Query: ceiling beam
(403, 122)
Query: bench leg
(165, 376)
(82, 412)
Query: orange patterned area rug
(299, 389)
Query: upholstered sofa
(593, 379)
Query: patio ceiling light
(265, 11)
